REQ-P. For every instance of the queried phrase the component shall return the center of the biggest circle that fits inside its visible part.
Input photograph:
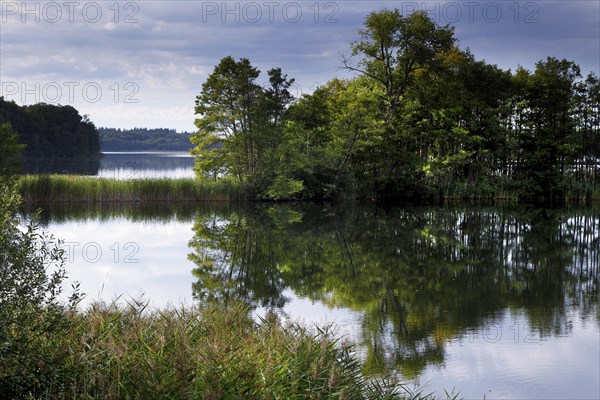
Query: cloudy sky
(141, 63)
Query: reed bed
(505, 190)
(201, 352)
(72, 189)
(36, 189)
(582, 192)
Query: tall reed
(204, 352)
(90, 190)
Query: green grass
(199, 352)
(72, 189)
(36, 189)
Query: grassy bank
(36, 189)
(88, 190)
(210, 352)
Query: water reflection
(498, 302)
(148, 164)
(117, 165)
(61, 165)
(419, 278)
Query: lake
(495, 302)
(500, 302)
(118, 165)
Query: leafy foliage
(50, 130)
(33, 323)
(423, 120)
(10, 151)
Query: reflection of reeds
(505, 190)
(582, 192)
(80, 189)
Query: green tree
(422, 120)
(33, 321)
(10, 151)
(458, 117)
(329, 135)
(547, 139)
(50, 130)
(393, 49)
(244, 119)
(587, 117)
(302, 158)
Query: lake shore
(41, 189)
(212, 351)
(54, 188)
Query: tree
(422, 119)
(329, 135)
(394, 47)
(50, 130)
(33, 322)
(587, 120)
(245, 119)
(144, 139)
(227, 109)
(10, 151)
(548, 142)
(393, 50)
(459, 113)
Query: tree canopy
(422, 120)
(50, 130)
(10, 151)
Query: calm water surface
(495, 302)
(119, 165)
(148, 164)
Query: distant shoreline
(138, 148)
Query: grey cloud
(174, 45)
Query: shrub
(32, 321)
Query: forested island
(49, 130)
(137, 139)
(421, 120)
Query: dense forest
(421, 119)
(51, 130)
(144, 139)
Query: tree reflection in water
(419, 277)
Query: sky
(142, 63)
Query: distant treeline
(51, 130)
(144, 139)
